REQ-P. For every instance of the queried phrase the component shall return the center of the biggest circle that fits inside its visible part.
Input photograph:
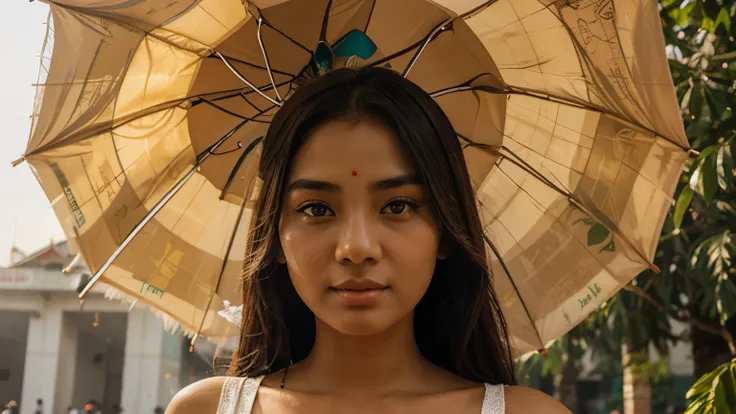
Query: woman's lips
(363, 297)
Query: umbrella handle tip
(18, 162)
(194, 341)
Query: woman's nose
(358, 240)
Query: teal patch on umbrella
(353, 44)
(324, 58)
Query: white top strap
(493, 402)
(238, 395)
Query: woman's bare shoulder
(201, 397)
(528, 400)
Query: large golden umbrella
(148, 123)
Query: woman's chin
(359, 323)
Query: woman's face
(356, 229)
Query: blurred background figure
(11, 408)
(39, 406)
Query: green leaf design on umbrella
(598, 234)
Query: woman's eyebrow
(307, 184)
(385, 184)
(398, 181)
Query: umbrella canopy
(147, 128)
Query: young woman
(366, 287)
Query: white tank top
(239, 394)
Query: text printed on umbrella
(76, 211)
(153, 289)
(595, 290)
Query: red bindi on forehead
(354, 173)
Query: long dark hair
(458, 324)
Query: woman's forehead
(352, 149)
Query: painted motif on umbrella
(598, 235)
(351, 50)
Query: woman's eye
(316, 210)
(398, 207)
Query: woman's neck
(382, 363)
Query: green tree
(715, 392)
(696, 249)
(696, 285)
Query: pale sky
(26, 218)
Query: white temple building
(67, 354)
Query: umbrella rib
(91, 132)
(245, 98)
(466, 87)
(370, 17)
(513, 285)
(470, 143)
(435, 32)
(96, 13)
(227, 111)
(225, 258)
(156, 208)
(41, 70)
(516, 91)
(397, 54)
(477, 9)
(265, 59)
(248, 149)
(589, 106)
(235, 169)
(267, 23)
(220, 98)
(239, 145)
(452, 89)
(439, 28)
(109, 126)
(551, 98)
(246, 81)
(521, 163)
(253, 65)
(325, 20)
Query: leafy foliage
(698, 243)
(715, 392)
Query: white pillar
(50, 359)
(151, 366)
